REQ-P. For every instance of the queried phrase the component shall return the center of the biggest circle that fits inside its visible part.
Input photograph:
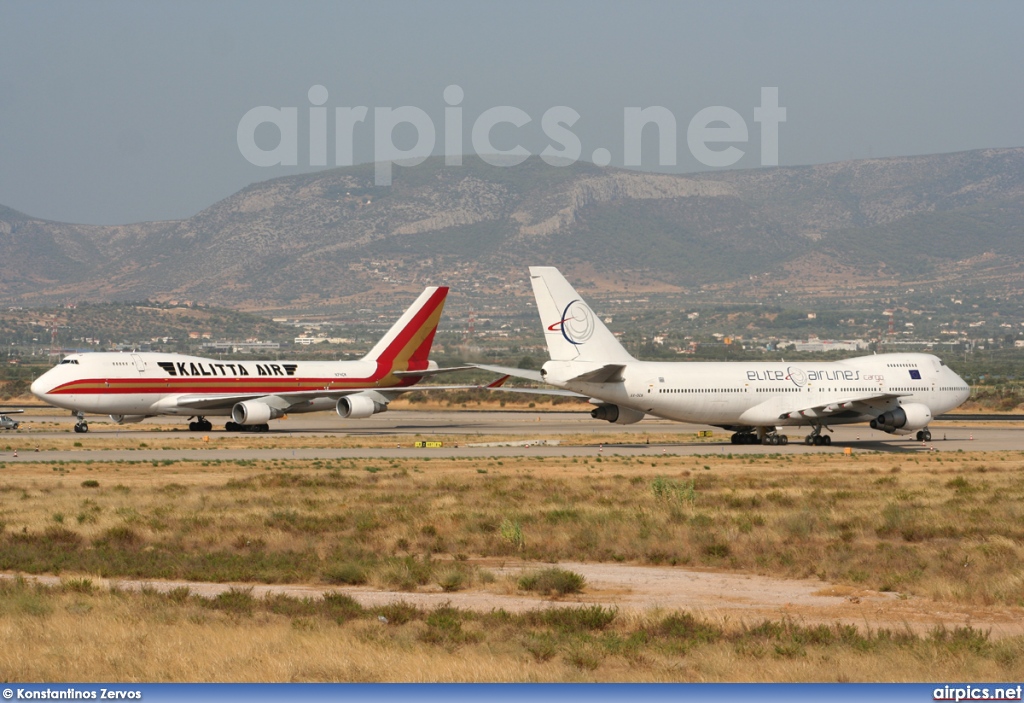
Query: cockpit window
(70, 361)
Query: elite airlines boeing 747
(895, 393)
(132, 387)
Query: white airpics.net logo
(707, 133)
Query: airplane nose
(38, 387)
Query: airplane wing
(838, 405)
(528, 374)
(609, 373)
(432, 372)
(286, 400)
(11, 412)
(541, 391)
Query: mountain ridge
(332, 234)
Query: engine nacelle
(127, 419)
(357, 407)
(904, 419)
(616, 414)
(253, 412)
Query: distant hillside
(325, 236)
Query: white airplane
(133, 386)
(895, 393)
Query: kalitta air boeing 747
(895, 393)
(132, 387)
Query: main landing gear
(235, 427)
(200, 425)
(769, 438)
(924, 435)
(817, 438)
(774, 439)
(81, 426)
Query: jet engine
(617, 415)
(253, 412)
(126, 419)
(357, 407)
(903, 420)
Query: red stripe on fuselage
(108, 386)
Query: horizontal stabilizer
(609, 373)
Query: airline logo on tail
(407, 344)
(577, 323)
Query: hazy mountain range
(940, 220)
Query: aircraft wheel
(193, 427)
(926, 436)
(81, 427)
(826, 440)
(263, 428)
(920, 436)
(784, 440)
(809, 440)
(232, 426)
(733, 440)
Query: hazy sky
(114, 112)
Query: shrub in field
(573, 620)
(444, 628)
(584, 656)
(350, 573)
(79, 585)
(179, 595)
(397, 613)
(453, 579)
(674, 491)
(553, 580)
(341, 607)
(407, 573)
(238, 601)
(687, 630)
(119, 537)
(61, 537)
(512, 532)
(542, 646)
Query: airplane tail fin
(572, 330)
(406, 346)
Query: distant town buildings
(813, 344)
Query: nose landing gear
(81, 426)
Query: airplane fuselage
(740, 394)
(149, 383)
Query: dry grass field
(945, 527)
